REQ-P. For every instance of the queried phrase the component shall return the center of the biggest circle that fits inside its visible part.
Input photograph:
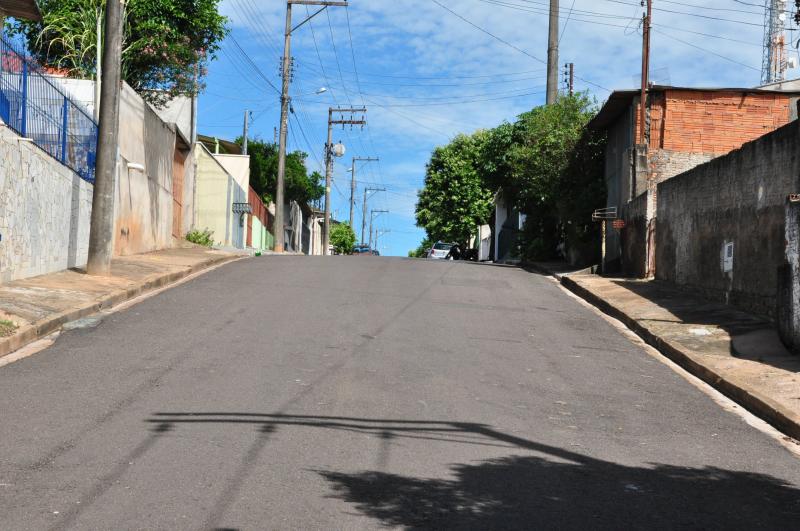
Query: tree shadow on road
(525, 492)
(548, 487)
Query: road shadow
(523, 492)
(547, 487)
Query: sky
(427, 70)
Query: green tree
(546, 142)
(164, 42)
(455, 198)
(422, 250)
(343, 238)
(298, 184)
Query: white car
(439, 251)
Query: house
(26, 9)
(222, 206)
(684, 127)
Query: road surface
(362, 393)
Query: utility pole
(244, 133)
(353, 184)
(646, 25)
(552, 54)
(371, 219)
(101, 232)
(98, 65)
(569, 77)
(378, 234)
(285, 101)
(364, 212)
(329, 154)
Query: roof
(226, 147)
(26, 9)
(620, 100)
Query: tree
(343, 238)
(543, 147)
(455, 198)
(299, 185)
(422, 250)
(165, 41)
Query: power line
(513, 46)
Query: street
(363, 392)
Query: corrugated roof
(26, 9)
(620, 100)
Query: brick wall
(738, 198)
(714, 122)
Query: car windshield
(442, 247)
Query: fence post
(24, 124)
(64, 125)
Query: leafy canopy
(164, 42)
(455, 198)
(298, 184)
(343, 238)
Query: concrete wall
(217, 190)
(144, 198)
(738, 198)
(634, 237)
(45, 210)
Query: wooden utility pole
(646, 25)
(353, 184)
(101, 232)
(364, 212)
(285, 100)
(329, 154)
(552, 54)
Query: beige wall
(238, 166)
(217, 190)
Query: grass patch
(201, 237)
(7, 328)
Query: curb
(33, 332)
(760, 405)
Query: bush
(203, 237)
(343, 238)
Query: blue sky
(426, 74)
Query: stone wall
(45, 209)
(736, 199)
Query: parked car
(376, 252)
(440, 250)
(361, 249)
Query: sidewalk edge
(30, 333)
(751, 399)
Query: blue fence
(33, 104)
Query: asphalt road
(350, 393)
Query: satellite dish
(338, 150)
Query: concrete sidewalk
(38, 306)
(737, 353)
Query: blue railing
(33, 105)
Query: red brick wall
(714, 122)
